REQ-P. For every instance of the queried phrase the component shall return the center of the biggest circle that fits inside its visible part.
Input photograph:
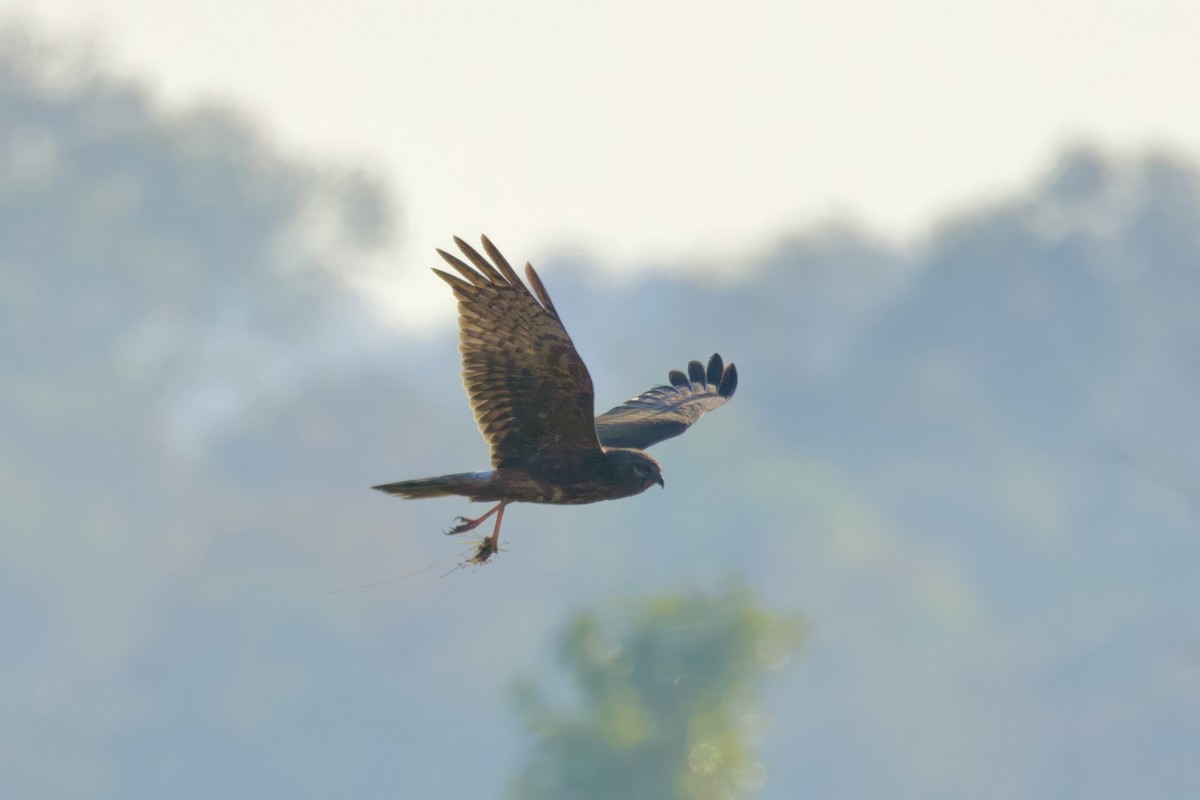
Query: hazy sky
(656, 131)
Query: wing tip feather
(539, 289)
(729, 381)
(716, 366)
(456, 283)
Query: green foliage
(666, 688)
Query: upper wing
(529, 389)
(667, 411)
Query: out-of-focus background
(943, 543)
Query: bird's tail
(467, 484)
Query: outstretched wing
(667, 411)
(529, 389)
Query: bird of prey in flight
(533, 401)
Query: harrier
(533, 401)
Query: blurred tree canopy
(667, 687)
(158, 267)
(149, 253)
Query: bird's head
(635, 469)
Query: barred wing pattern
(667, 411)
(529, 389)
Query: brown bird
(533, 401)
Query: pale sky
(691, 132)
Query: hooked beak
(661, 482)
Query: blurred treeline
(971, 462)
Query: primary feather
(666, 411)
(529, 389)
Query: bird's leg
(491, 545)
(496, 531)
(465, 524)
